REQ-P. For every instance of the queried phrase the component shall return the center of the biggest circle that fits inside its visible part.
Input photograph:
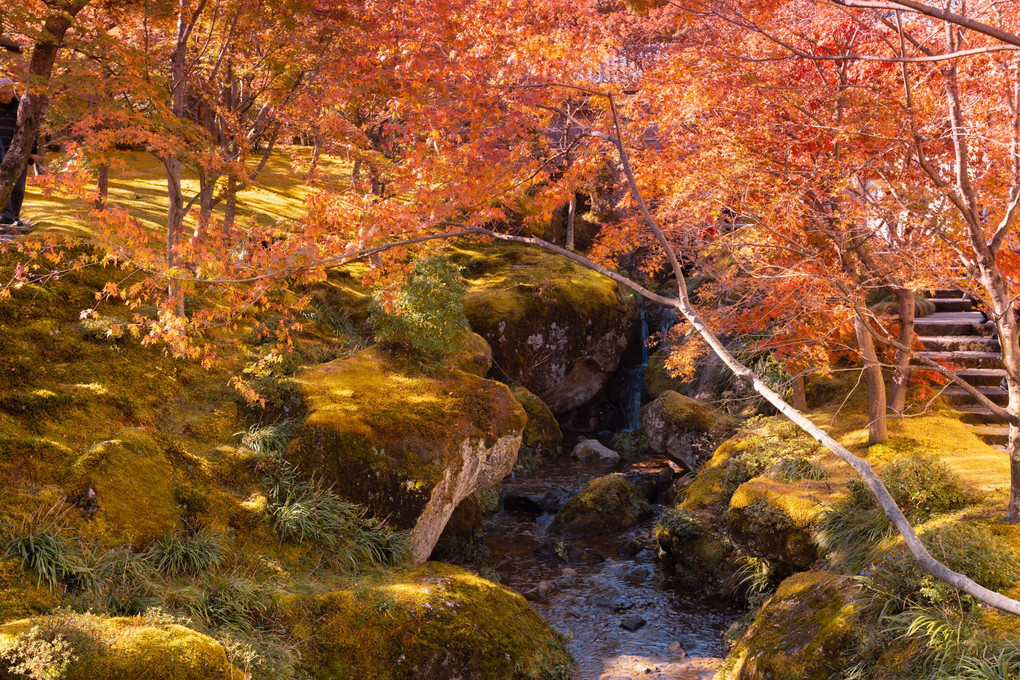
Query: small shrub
(896, 583)
(766, 443)
(426, 315)
(48, 649)
(924, 486)
(179, 554)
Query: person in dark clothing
(9, 103)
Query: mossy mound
(88, 647)
(804, 631)
(128, 484)
(658, 378)
(774, 521)
(21, 593)
(678, 426)
(431, 623)
(475, 358)
(542, 435)
(405, 443)
(606, 504)
(555, 327)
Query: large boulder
(554, 326)
(431, 623)
(678, 427)
(542, 435)
(805, 631)
(606, 504)
(775, 521)
(86, 646)
(408, 444)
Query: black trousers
(13, 208)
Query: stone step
(952, 305)
(960, 343)
(953, 323)
(957, 396)
(976, 414)
(993, 434)
(983, 377)
(945, 293)
(999, 447)
(978, 377)
(966, 359)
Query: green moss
(381, 431)
(686, 414)
(21, 594)
(543, 314)
(96, 648)
(133, 485)
(804, 632)
(542, 435)
(431, 623)
(657, 376)
(475, 358)
(605, 504)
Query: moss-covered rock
(805, 631)
(128, 483)
(606, 504)
(409, 445)
(21, 593)
(431, 623)
(658, 378)
(475, 358)
(773, 521)
(542, 435)
(678, 426)
(691, 539)
(554, 326)
(88, 647)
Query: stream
(588, 588)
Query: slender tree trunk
(230, 211)
(103, 186)
(205, 202)
(174, 225)
(901, 370)
(877, 427)
(571, 211)
(356, 173)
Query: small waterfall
(667, 320)
(636, 382)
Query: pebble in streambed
(589, 588)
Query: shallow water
(589, 606)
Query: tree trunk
(571, 210)
(877, 429)
(205, 202)
(901, 370)
(35, 102)
(174, 225)
(230, 211)
(799, 393)
(103, 186)
(356, 173)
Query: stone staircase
(957, 333)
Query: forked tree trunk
(877, 429)
(901, 369)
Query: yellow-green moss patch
(432, 623)
(382, 431)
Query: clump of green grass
(924, 486)
(179, 554)
(45, 551)
(303, 511)
(269, 439)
